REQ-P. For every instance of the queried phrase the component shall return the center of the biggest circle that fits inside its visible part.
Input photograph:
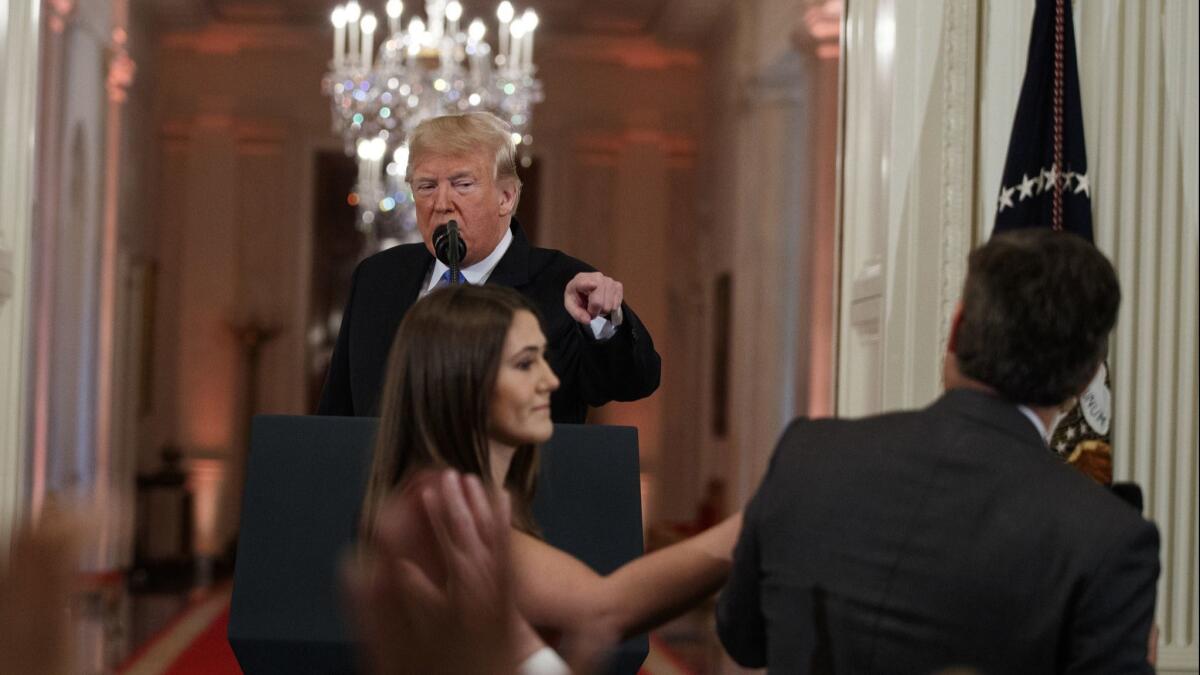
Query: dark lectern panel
(304, 481)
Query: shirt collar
(480, 271)
(1037, 421)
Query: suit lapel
(513, 268)
(410, 278)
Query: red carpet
(195, 643)
(210, 654)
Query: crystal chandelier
(431, 67)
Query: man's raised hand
(591, 294)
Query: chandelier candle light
(431, 67)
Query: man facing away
(463, 168)
(952, 536)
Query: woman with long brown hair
(468, 388)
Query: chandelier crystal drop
(435, 65)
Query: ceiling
(678, 21)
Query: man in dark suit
(463, 168)
(952, 536)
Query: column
(18, 81)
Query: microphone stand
(449, 247)
(452, 253)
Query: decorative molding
(253, 147)
(632, 53)
(249, 129)
(183, 128)
(597, 159)
(233, 39)
(689, 21)
(598, 147)
(245, 130)
(959, 35)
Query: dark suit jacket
(624, 367)
(909, 542)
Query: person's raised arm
(619, 364)
(556, 591)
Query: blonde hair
(465, 135)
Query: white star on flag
(1050, 177)
(1081, 184)
(1006, 195)
(1026, 187)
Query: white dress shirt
(1037, 422)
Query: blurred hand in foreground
(433, 592)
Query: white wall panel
(908, 196)
(866, 167)
(18, 82)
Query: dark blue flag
(1045, 180)
(1046, 184)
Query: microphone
(449, 247)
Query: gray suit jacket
(910, 542)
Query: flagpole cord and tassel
(1058, 168)
(1045, 184)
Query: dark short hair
(437, 392)
(1038, 306)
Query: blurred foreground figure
(434, 595)
(434, 592)
(35, 589)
